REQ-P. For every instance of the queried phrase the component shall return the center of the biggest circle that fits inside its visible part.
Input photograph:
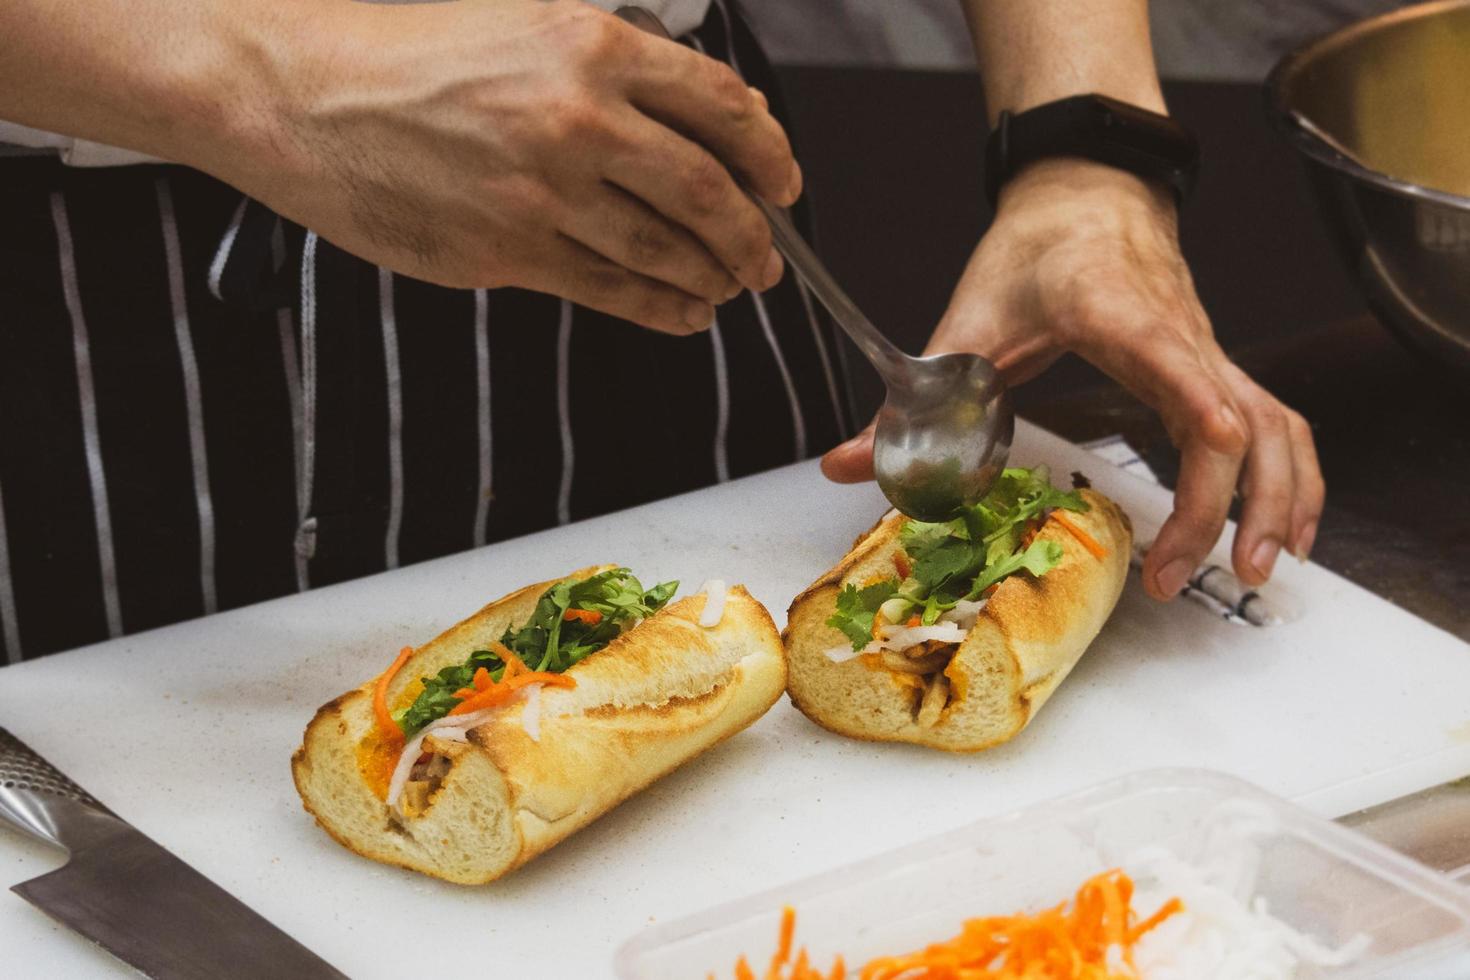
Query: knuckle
(713, 282)
(599, 278)
(653, 309)
(730, 93)
(1314, 490)
(1298, 426)
(577, 119)
(597, 39)
(751, 241)
(1269, 496)
(1271, 420)
(1202, 527)
(705, 183)
(647, 244)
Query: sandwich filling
(911, 623)
(572, 620)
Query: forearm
(1037, 51)
(191, 82)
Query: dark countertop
(892, 160)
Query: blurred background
(1228, 40)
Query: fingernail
(1263, 558)
(1304, 542)
(698, 316)
(733, 290)
(771, 274)
(1173, 576)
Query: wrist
(1074, 186)
(238, 105)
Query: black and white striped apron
(202, 406)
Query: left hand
(1085, 258)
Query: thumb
(851, 462)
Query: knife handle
(39, 799)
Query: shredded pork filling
(928, 661)
(424, 781)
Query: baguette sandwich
(953, 635)
(504, 735)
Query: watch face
(1145, 131)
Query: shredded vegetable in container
(1185, 922)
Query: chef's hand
(546, 145)
(1085, 258)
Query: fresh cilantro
(1040, 558)
(959, 559)
(857, 607)
(548, 641)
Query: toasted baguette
(654, 698)
(1028, 637)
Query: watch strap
(1097, 128)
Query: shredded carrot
(877, 623)
(386, 724)
(788, 932)
(1080, 942)
(915, 621)
(901, 564)
(1088, 541)
(589, 616)
(513, 665)
(1167, 909)
(500, 693)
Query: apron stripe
(193, 400)
(811, 319)
(226, 244)
(729, 37)
(306, 524)
(9, 624)
(291, 366)
(564, 412)
(395, 417)
(806, 299)
(482, 392)
(92, 445)
(798, 422)
(722, 402)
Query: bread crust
(1026, 640)
(656, 697)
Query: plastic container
(1319, 878)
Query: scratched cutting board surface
(187, 732)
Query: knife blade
(131, 896)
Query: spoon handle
(887, 358)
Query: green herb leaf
(960, 558)
(857, 607)
(1038, 559)
(548, 641)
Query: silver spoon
(944, 431)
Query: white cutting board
(187, 732)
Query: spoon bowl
(943, 438)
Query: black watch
(1094, 127)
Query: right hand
(546, 145)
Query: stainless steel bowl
(1381, 112)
